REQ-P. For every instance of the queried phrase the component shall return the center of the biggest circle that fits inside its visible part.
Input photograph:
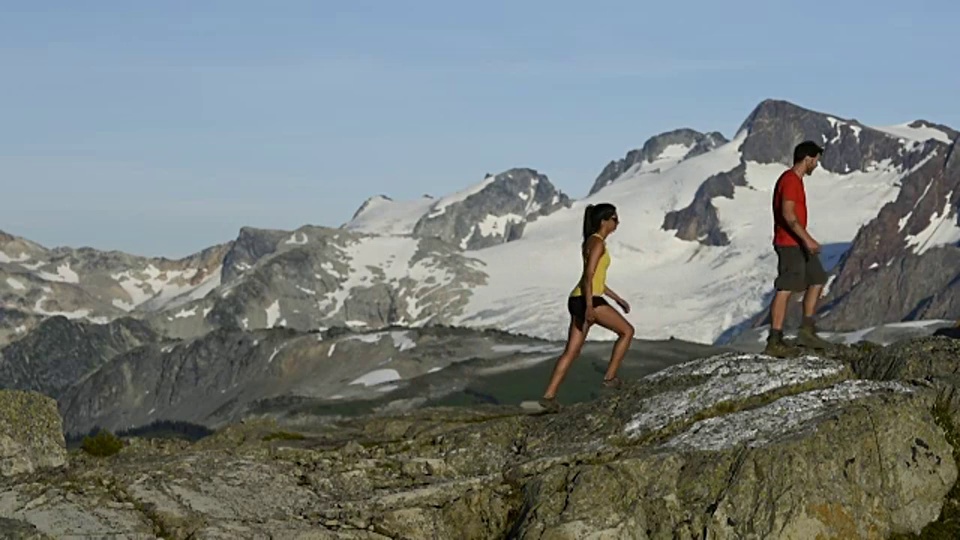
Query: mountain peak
(494, 211)
(660, 152)
(776, 126)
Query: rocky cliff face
(899, 266)
(699, 222)
(731, 445)
(60, 352)
(661, 151)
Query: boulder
(31, 433)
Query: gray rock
(699, 221)
(31, 433)
(14, 529)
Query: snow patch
(297, 239)
(378, 376)
(64, 275)
(4, 258)
(15, 284)
(918, 134)
(183, 313)
(943, 229)
(402, 341)
(273, 313)
(525, 348)
(380, 215)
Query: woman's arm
(618, 299)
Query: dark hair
(806, 149)
(593, 215)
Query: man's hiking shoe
(779, 349)
(612, 383)
(550, 404)
(807, 337)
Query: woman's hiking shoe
(550, 404)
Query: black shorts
(577, 306)
(798, 270)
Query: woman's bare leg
(575, 338)
(612, 320)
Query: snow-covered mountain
(693, 250)
(491, 212)
(98, 286)
(692, 254)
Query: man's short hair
(806, 149)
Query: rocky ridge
(726, 446)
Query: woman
(587, 305)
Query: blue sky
(161, 128)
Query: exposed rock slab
(730, 446)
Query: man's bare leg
(810, 299)
(778, 311)
(807, 336)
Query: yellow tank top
(600, 276)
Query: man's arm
(790, 216)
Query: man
(798, 260)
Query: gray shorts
(797, 270)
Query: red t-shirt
(789, 187)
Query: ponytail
(588, 227)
